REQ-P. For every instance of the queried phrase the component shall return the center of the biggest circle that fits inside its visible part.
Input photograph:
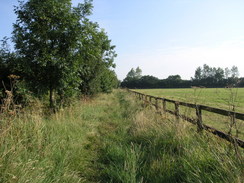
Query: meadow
(223, 98)
(111, 138)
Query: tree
(4, 59)
(219, 74)
(45, 36)
(174, 78)
(7, 61)
(206, 72)
(198, 73)
(215, 77)
(132, 78)
(109, 81)
(234, 72)
(227, 73)
(131, 75)
(148, 82)
(138, 73)
(96, 59)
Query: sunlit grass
(224, 98)
(111, 138)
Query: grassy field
(111, 138)
(224, 98)
(214, 97)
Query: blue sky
(165, 37)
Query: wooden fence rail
(198, 121)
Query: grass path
(111, 138)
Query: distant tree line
(205, 76)
(58, 51)
(217, 77)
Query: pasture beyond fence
(198, 120)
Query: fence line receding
(198, 120)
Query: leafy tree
(215, 77)
(148, 82)
(131, 75)
(138, 73)
(45, 36)
(219, 75)
(206, 72)
(7, 61)
(109, 81)
(4, 58)
(174, 78)
(227, 73)
(234, 72)
(198, 73)
(96, 57)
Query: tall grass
(111, 138)
(37, 148)
(146, 148)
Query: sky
(165, 37)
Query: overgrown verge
(142, 147)
(38, 148)
(111, 138)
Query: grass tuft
(111, 138)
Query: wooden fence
(198, 120)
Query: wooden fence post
(146, 99)
(150, 99)
(177, 112)
(199, 118)
(157, 104)
(164, 106)
(198, 121)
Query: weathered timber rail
(198, 121)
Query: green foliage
(134, 80)
(205, 76)
(7, 59)
(198, 73)
(58, 51)
(45, 35)
(174, 78)
(215, 77)
(138, 73)
(96, 56)
(10, 79)
(109, 81)
(133, 75)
